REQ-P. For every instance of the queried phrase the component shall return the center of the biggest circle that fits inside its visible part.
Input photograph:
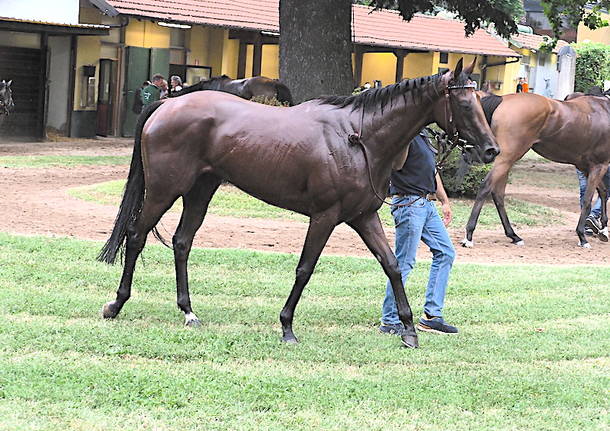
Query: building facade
(127, 42)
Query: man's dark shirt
(417, 176)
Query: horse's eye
(465, 105)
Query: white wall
(56, 11)
(59, 73)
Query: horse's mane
(373, 98)
(490, 104)
(214, 83)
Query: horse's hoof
(107, 312)
(194, 323)
(520, 243)
(466, 243)
(585, 245)
(191, 321)
(290, 339)
(410, 341)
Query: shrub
(464, 183)
(592, 65)
(268, 101)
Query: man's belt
(427, 196)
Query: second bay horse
(575, 132)
(246, 88)
(327, 158)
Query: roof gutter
(500, 63)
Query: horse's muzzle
(489, 155)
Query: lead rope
(356, 139)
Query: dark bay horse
(245, 88)
(575, 132)
(6, 98)
(327, 158)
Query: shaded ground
(35, 201)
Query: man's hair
(157, 76)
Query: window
(444, 58)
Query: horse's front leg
(476, 208)
(368, 226)
(320, 227)
(498, 192)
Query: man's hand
(447, 215)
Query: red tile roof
(380, 28)
(533, 41)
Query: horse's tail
(283, 93)
(133, 195)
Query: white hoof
(191, 319)
(520, 243)
(466, 243)
(585, 245)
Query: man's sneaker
(435, 324)
(595, 225)
(392, 329)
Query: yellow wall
(379, 65)
(146, 34)
(271, 61)
(249, 60)
(230, 53)
(87, 52)
(418, 64)
(206, 47)
(601, 35)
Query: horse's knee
(181, 247)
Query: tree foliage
(474, 13)
(572, 12)
(592, 65)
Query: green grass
(60, 161)
(229, 201)
(532, 353)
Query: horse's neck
(389, 134)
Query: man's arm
(444, 200)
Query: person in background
(151, 93)
(525, 86)
(137, 100)
(415, 186)
(593, 224)
(164, 90)
(176, 83)
(519, 86)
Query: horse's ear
(8, 84)
(470, 67)
(458, 67)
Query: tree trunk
(316, 47)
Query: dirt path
(36, 202)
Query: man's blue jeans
(415, 222)
(596, 208)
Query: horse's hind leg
(594, 179)
(152, 210)
(320, 228)
(195, 206)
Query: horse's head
(460, 112)
(6, 98)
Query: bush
(464, 182)
(592, 65)
(268, 101)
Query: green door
(137, 71)
(159, 62)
